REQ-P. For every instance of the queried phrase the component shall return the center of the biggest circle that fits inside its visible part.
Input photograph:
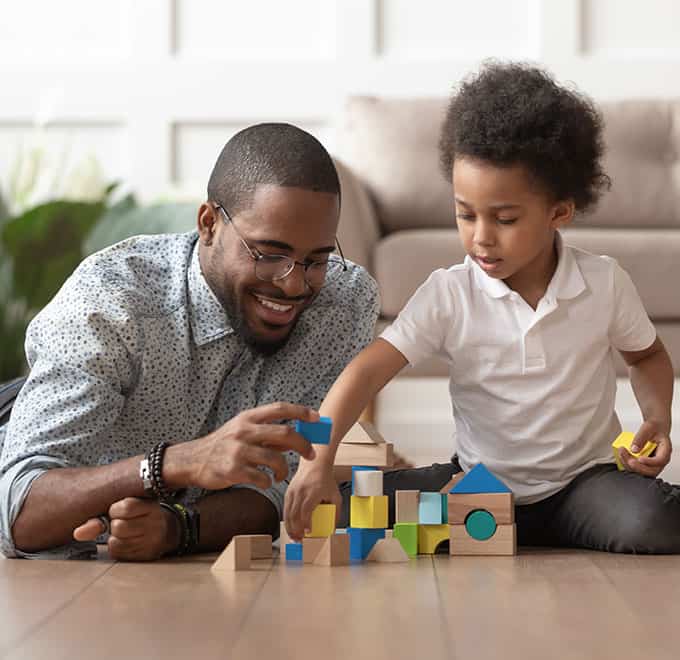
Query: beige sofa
(397, 213)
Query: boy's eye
(465, 216)
(507, 221)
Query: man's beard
(237, 319)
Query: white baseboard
(415, 414)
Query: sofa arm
(359, 230)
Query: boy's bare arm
(651, 375)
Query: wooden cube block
(335, 551)
(311, 547)
(407, 535)
(323, 521)
(407, 506)
(625, 439)
(368, 483)
(368, 512)
(260, 546)
(500, 505)
(316, 432)
(430, 536)
(430, 509)
(235, 557)
(293, 551)
(503, 542)
(387, 551)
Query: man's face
(298, 223)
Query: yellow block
(323, 521)
(430, 536)
(625, 439)
(368, 512)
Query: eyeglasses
(274, 267)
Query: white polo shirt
(532, 391)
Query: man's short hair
(273, 153)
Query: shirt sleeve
(419, 330)
(630, 328)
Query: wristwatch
(145, 476)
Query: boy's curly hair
(514, 113)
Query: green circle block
(480, 525)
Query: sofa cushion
(392, 145)
(403, 260)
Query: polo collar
(209, 321)
(567, 280)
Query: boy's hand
(652, 465)
(313, 484)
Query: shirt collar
(209, 321)
(566, 282)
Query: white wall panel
(255, 30)
(631, 29)
(39, 30)
(436, 29)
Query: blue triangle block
(480, 480)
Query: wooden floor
(539, 604)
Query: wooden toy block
(368, 512)
(430, 536)
(293, 551)
(389, 533)
(454, 480)
(625, 439)
(236, 556)
(316, 432)
(284, 539)
(381, 455)
(480, 480)
(359, 468)
(335, 551)
(311, 547)
(407, 506)
(407, 535)
(387, 551)
(503, 542)
(363, 433)
(323, 521)
(480, 525)
(445, 507)
(260, 546)
(362, 541)
(368, 483)
(500, 505)
(430, 509)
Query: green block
(480, 525)
(445, 508)
(407, 533)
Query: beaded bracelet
(155, 466)
(189, 521)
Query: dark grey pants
(602, 509)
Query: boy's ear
(562, 213)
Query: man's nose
(294, 284)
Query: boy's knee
(647, 530)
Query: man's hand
(233, 453)
(313, 484)
(652, 465)
(141, 530)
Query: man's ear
(207, 223)
(562, 213)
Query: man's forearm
(236, 511)
(63, 498)
(652, 382)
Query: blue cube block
(318, 433)
(361, 541)
(358, 468)
(430, 509)
(293, 551)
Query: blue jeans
(602, 509)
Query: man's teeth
(274, 306)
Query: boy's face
(506, 223)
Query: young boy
(527, 325)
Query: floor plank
(168, 609)
(33, 591)
(367, 610)
(538, 605)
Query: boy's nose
(484, 234)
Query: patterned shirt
(135, 348)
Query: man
(159, 367)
